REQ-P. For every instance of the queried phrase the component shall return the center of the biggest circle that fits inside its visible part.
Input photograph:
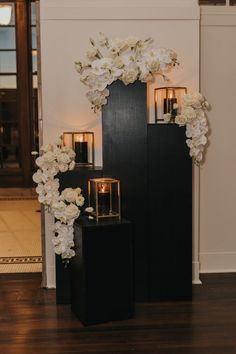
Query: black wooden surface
(124, 121)
(72, 179)
(62, 282)
(170, 213)
(101, 271)
(79, 178)
(32, 325)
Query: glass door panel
(35, 84)
(18, 94)
(9, 135)
(7, 62)
(7, 38)
(33, 14)
(13, 16)
(34, 61)
(35, 131)
(7, 82)
(33, 37)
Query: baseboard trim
(195, 273)
(217, 262)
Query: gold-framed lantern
(83, 145)
(104, 197)
(168, 100)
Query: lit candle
(171, 105)
(103, 199)
(81, 151)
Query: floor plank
(32, 323)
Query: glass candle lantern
(168, 100)
(104, 197)
(83, 145)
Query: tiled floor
(20, 236)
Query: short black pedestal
(62, 282)
(101, 271)
(72, 179)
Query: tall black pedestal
(124, 121)
(153, 164)
(169, 213)
(101, 271)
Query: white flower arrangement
(127, 60)
(65, 207)
(193, 116)
(133, 59)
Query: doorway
(18, 93)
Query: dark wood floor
(32, 323)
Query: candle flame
(79, 138)
(103, 188)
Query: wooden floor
(32, 323)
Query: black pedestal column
(169, 213)
(124, 121)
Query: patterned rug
(20, 260)
(23, 197)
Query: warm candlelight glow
(79, 138)
(5, 14)
(168, 100)
(171, 94)
(104, 197)
(103, 188)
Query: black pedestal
(153, 164)
(72, 179)
(101, 271)
(124, 121)
(62, 282)
(169, 213)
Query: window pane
(12, 23)
(34, 43)
(7, 38)
(7, 82)
(34, 61)
(9, 136)
(7, 12)
(33, 14)
(8, 62)
(212, 2)
(35, 81)
(9, 155)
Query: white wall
(218, 175)
(66, 26)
